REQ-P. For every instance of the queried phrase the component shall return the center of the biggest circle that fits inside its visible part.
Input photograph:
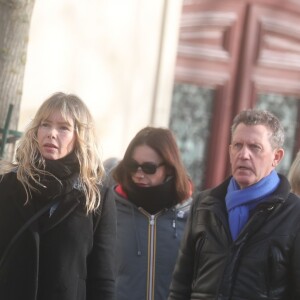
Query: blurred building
(118, 56)
(234, 55)
(189, 64)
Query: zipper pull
(151, 222)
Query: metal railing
(8, 136)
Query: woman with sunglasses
(153, 200)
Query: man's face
(251, 155)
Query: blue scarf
(240, 202)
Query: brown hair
(164, 143)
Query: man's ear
(278, 155)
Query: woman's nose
(51, 133)
(139, 173)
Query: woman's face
(56, 136)
(145, 157)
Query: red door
(233, 55)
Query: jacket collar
(280, 193)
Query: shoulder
(218, 191)
(8, 178)
(294, 201)
(202, 197)
(10, 187)
(211, 196)
(203, 194)
(183, 209)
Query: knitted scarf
(65, 169)
(240, 202)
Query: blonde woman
(57, 236)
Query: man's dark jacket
(262, 264)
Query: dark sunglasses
(147, 167)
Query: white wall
(109, 53)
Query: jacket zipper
(151, 270)
(244, 236)
(151, 253)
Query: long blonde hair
(294, 175)
(29, 163)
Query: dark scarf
(65, 169)
(240, 202)
(155, 198)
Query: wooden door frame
(261, 73)
(236, 81)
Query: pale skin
(56, 136)
(251, 154)
(142, 154)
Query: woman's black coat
(57, 258)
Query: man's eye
(255, 147)
(237, 146)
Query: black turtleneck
(155, 198)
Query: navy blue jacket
(147, 247)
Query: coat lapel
(68, 203)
